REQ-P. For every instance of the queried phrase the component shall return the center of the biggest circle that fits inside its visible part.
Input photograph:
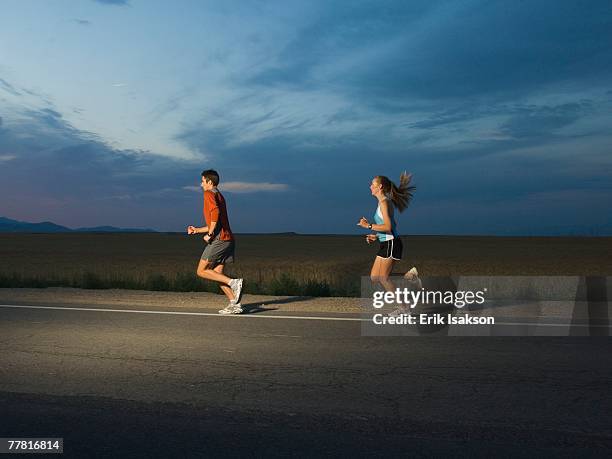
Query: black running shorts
(391, 249)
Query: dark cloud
(341, 28)
(496, 49)
(62, 173)
(442, 50)
(332, 165)
(50, 119)
(481, 73)
(489, 104)
(9, 88)
(542, 121)
(524, 120)
(459, 113)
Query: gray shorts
(219, 252)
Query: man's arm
(211, 231)
(197, 230)
(211, 228)
(213, 208)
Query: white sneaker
(236, 286)
(399, 311)
(232, 308)
(413, 274)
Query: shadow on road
(254, 308)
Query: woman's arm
(386, 225)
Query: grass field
(280, 264)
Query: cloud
(413, 76)
(169, 192)
(113, 2)
(60, 173)
(246, 187)
(52, 161)
(9, 88)
(541, 121)
(486, 103)
(253, 187)
(435, 51)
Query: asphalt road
(118, 384)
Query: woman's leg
(226, 289)
(381, 269)
(384, 271)
(386, 267)
(374, 272)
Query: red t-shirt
(215, 211)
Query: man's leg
(233, 307)
(206, 272)
(226, 289)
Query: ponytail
(400, 195)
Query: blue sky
(109, 110)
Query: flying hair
(401, 195)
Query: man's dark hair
(212, 175)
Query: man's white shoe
(236, 286)
(232, 308)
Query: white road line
(260, 316)
(536, 324)
(180, 313)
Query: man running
(220, 243)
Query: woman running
(390, 197)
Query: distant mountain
(14, 226)
(113, 229)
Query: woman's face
(375, 186)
